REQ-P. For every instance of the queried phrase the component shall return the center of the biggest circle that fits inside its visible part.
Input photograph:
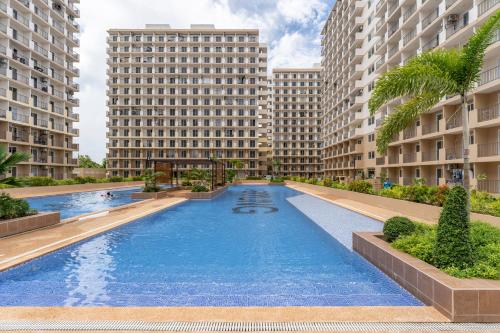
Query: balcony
(394, 159)
(454, 121)
(429, 156)
(380, 160)
(454, 153)
(489, 185)
(409, 158)
(486, 5)
(488, 113)
(429, 128)
(409, 133)
(489, 75)
(488, 149)
(430, 18)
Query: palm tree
(276, 166)
(426, 79)
(237, 164)
(8, 161)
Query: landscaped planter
(461, 300)
(27, 223)
(271, 183)
(205, 195)
(154, 195)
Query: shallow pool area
(250, 246)
(78, 203)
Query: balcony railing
(454, 121)
(454, 153)
(429, 128)
(431, 44)
(428, 156)
(455, 28)
(409, 12)
(488, 113)
(484, 6)
(409, 133)
(409, 36)
(489, 185)
(409, 158)
(488, 149)
(380, 160)
(489, 75)
(393, 159)
(430, 18)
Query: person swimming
(107, 195)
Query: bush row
(48, 181)
(481, 202)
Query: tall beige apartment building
(297, 116)
(186, 94)
(38, 39)
(362, 40)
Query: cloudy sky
(291, 28)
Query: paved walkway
(19, 248)
(381, 214)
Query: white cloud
(298, 47)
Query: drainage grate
(241, 326)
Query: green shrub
(485, 242)
(6, 186)
(328, 182)
(277, 180)
(312, 181)
(115, 179)
(453, 245)
(419, 244)
(361, 186)
(186, 183)
(85, 180)
(254, 178)
(397, 226)
(67, 181)
(11, 208)
(199, 188)
(230, 174)
(340, 186)
(38, 181)
(137, 178)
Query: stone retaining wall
(461, 300)
(27, 223)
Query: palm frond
(403, 116)
(447, 60)
(473, 52)
(8, 162)
(412, 79)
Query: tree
(425, 80)
(452, 247)
(150, 180)
(238, 165)
(84, 161)
(276, 166)
(8, 161)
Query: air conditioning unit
(452, 18)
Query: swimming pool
(78, 203)
(250, 246)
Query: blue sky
(291, 28)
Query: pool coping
(272, 314)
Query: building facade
(186, 94)
(296, 119)
(381, 35)
(38, 39)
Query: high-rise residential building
(297, 116)
(38, 39)
(380, 35)
(185, 94)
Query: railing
(409, 12)
(489, 185)
(432, 43)
(393, 159)
(3, 113)
(484, 6)
(409, 133)
(409, 158)
(488, 113)
(488, 149)
(429, 128)
(430, 18)
(428, 156)
(489, 75)
(20, 117)
(454, 153)
(455, 28)
(392, 51)
(450, 3)
(380, 160)
(454, 121)
(392, 29)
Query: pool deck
(20, 248)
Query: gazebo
(171, 169)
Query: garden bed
(205, 195)
(475, 300)
(155, 195)
(27, 223)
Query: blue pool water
(78, 203)
(248, 247)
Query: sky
(291, 29)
